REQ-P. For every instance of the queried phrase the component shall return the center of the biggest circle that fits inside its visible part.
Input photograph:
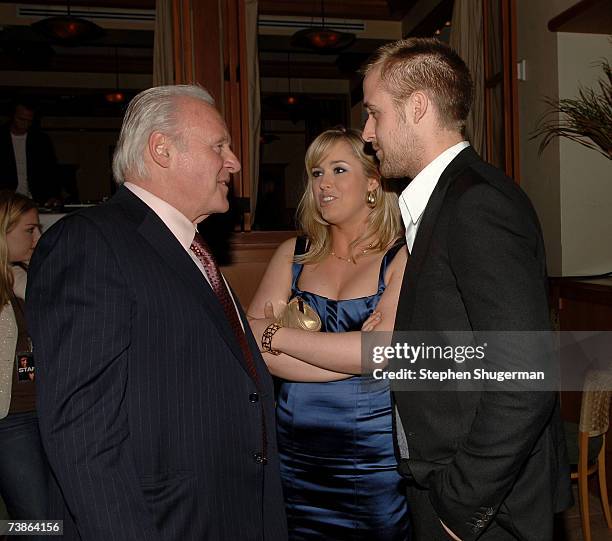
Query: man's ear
(418, 106)
(159, 149)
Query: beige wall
(585, 175)
(572, 222)
(540, 174)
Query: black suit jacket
(150, 420)
(478, 264)
(43, 180)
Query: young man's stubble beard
(403, 154)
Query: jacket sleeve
(79, 312)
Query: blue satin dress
(336, 444)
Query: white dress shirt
(415, 197)
(21, 163)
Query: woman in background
(334, 431)
(23, 467)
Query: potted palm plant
(586, 119)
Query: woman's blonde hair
(384, 225)
(12, 207)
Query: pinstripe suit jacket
(149, 418)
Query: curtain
(254, 101)
(163, 68)
(467, 39)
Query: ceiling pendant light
(116, 96)
(67, 29)
(291, 100)
(288, 103)
(321, 38)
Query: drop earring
(371, 199)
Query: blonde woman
(23, 469)
(334, 428)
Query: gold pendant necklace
(350, 259)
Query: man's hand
(372, 322)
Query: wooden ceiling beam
(586, 16)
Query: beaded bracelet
(266, 338)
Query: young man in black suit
(124, 300)
(491, 463)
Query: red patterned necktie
(203, 253)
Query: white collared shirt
(21, 163)
(415, 197)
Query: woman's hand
(372, 322)
(259, 325)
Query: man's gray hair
(154, 109)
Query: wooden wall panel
(250, 254)
(182, 40)
(208, 55)
(210, 49)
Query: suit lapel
(162, 241)
(422, 240)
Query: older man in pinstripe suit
(125, 301)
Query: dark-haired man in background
(489, 464)
(27, 158)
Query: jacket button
(479, 523)
(253, 397)
(259, 458)
(490, 511)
